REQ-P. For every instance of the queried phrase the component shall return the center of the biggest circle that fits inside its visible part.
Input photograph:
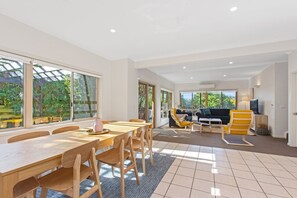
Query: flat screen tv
(254, 106)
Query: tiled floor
(200, 171)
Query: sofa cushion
(207, 112)
(220, 112)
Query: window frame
(28, 63)
(170, 106)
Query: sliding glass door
(146, 99)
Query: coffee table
(211, 122)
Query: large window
(51, 94)
(166, 103)
(85, 96)
(57, 95)
(210, 99)
(11, 93)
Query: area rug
(111, 185)
(263, 144)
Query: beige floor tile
(254, 163)
(256, 169)
(227, 191)
(274, 190)
(204, 166)
(273, 166)
(292, 191)
(236, 161)
(221, 164)
(248, 184)
(281, 173)
(224, 171)
(168, 177)
(172, 169)
(202, 185)
(177, 162)
(291, 183)
(185, 172)
(239, 167)
(200, 194)
(205, 156)
(156, 196)
(183, 181)
(162, 188)
(175, 191)
(291, 168)
(266, 179)
(179, 153)
(188, 164)
(192, 154)
(225, 179)
(243, 174)
(273, 196)
(251, 194)
(204, 175)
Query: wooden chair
(65, 129)
(179, 122)
(26, 136)
(68, 178)
(240, 124)
(27, 187)
(141, 143)
(115, 157)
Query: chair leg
(151, 157)
(112, 170)
(98, 167)
(143, 162)
(122, 180)
(135, 168)
(43, 193)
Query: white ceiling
(242, 68)
(158, 28)
(152, 29)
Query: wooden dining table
(24, 159)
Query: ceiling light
(184, 67)
(233, 9)
(230, 62)
(191, 77)
(112, 30)
(225, 75)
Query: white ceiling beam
(268, 48)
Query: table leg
(7, 184)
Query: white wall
(272, 94)
(242, 87)
(159, 82)
(19, 38)
(292, 98)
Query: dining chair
(240, 124)
(141, 143)
(115, 157)
(65, 129)
(68, 178)
(26, 136)
(26, 188)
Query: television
(254, 106)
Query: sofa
(179, 112)
(223, 114)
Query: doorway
(146, 102)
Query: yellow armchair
(240, 123)
(178, 121)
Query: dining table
(24, 159)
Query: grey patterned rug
(111, 185)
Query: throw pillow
(181, 117)
(207, 112)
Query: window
(166, 103)
(57, 95)
(51, 94)
(11, 93)
(210, 99)
(85, 96)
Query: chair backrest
(27, 136)
(118, 140)
(240, 122)
(137, 120)
(68, 157)
(174, 116)
(65, 129)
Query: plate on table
(98, 132)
